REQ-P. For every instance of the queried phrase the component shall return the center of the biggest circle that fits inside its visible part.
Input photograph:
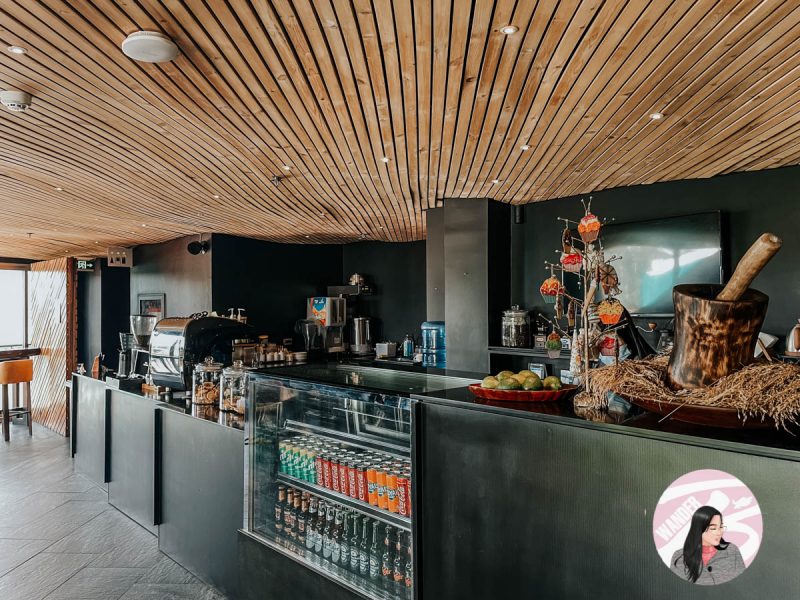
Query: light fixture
(524, 147)
(385, 159)
(149, 46)
(306, 236)
(215, 196)
(495, 181)
(144, 224)
(17, 50)
(509, 29)
(59, 189)
(656, 116)
(286, 168)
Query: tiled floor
(60, 539)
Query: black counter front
(543, 503)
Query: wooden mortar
(716, 328)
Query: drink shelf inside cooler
(390, 518)
(352, 581)
(358, 441)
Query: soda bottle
(399, 566)
(374, 554)
(344, 555)
(336, 540)
(302, 519)
(320, 525)
(363, 549)
(354, 545)
(387, 559)
(327, 534)
(279, 503)
(311, 523)
(294, 513)
(287, 512)
(409, 570)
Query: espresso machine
(331, 313)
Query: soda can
(372, 484)
(402, 494)
(282, 460)
(407, 474)
(318, 466)
(342, 476)
(361, 482)
(352, 484)
(380, 477)
(335, 474)
(311, 465)
(391, 491)
(327, 471)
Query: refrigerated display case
(329, 475)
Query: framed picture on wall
(153, 304)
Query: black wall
(168, 268)
(272, 281)
(397, 275)
(103, 311)
(751, 204)
(434, 261)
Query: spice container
(516, 328)
(234, 388)
(206, 382)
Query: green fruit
(490, 382)
(526, 373)
(552, 383)
(533, 383)
(504, 375)
(509, 384)
(519, 377)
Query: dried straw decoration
(759, 390)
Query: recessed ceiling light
(306, 236)
(59, 189)
(385, 159)
(509, 29)
(215, 196)
(286, 168)
(495, 181)
(17, 50)
(149, 46)
(97, 242)
(525, 147)
(656, 116)
(144, 224)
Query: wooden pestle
(758, 255)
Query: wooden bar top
(18, 353)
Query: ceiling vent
(149, 46)
(16, 101)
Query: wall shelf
(526, 352)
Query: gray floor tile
(39, 576)
(97, 584)
(60, 521)
(167, 570)
(18, 511)
(172, 591)
(15, 552)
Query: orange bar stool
(13, 372)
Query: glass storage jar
(516, 328)
(206, 382)
(234, 388)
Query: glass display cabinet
(329, 477)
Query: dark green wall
(751, 204)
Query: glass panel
(330, 481)
(12, 307)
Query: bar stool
(13, 372)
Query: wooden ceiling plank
(423, 32)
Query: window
(13, 325)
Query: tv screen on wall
(660, 254)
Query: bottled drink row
(346, 539)
(376, 478)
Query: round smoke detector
(15, 100)
(149, 46)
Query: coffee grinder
(125, 346)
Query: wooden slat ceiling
(379, 109)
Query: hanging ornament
(589, 227)
(610, 311)
(608, 345)
(609, 280)
(571, 311)
(551, 288)
(560, 307)
(566, 241)
(571, 261)
(553, 345)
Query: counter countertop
(768, 442)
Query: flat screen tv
(660, 254)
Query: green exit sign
(85, 265)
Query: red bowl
(523, 395)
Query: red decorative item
(589, 228)
(572, 261)
(610, 311)
(550, 290)
(523, 395)
(608, 346)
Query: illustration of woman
(706, 558)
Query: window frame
(9, 266)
